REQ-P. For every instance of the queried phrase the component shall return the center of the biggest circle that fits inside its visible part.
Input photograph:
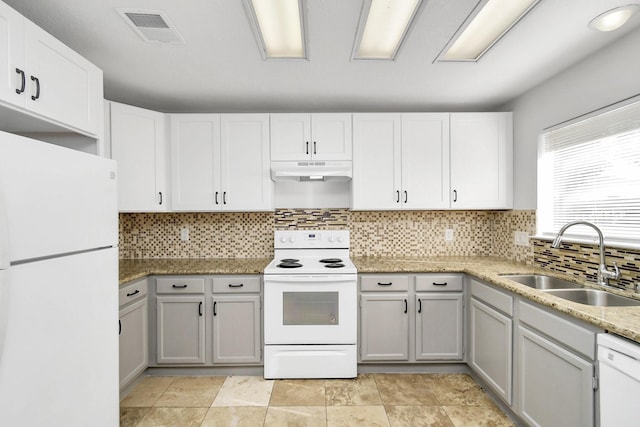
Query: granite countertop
(624, 321)
(132, 269)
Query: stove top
(311, 252)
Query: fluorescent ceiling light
(279, 27)
(382, 28)
(614, 18)
(492, 22)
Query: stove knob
(331, 239)
(292, 239)
(283, 239)
(340, 239)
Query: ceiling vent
(153, 26)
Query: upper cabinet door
(425, 161)
(376, 162)
(245, 168)
(291, 137)
(481, 161)
(195, 157)
(331, 137)
(138, 145)
(61, 85)
(13, 80)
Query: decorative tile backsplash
(380, 233)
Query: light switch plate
(448, 235)
(521, 238)
(184, 234)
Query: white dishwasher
(619, 367)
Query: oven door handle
(309, 279)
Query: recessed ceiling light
(494, 18)
(278, 26)
(614, 18)
(382, 28)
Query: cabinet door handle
(455, 196)
(216, 197)
(37, 95)
(439, 284)
(307, 147)
(137, 291)
(200, 309)
(397, 196)
(160, 194)
(231, 285)
(406, 306)
(178, 286)
(314, 147)
(224, 197)
(406, 196)
(215, 304)
(419, 306)
(385, 284)
(119, 327)
(23, 80)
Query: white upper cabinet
(325, 136)
(138, 144)
(400, 161)
(481, 161)
(43, 76)
(220, 162)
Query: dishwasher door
(619, 367)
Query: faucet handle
(616, 271)
(615, 274)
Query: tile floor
(370, 400)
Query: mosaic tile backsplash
(388, 233)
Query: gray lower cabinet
(133, 331)
(384, 327)
(555, 369)
(180, 321)
(491, 337)
(439, 326)
(237, 326)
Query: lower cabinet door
(384, 327)
(491, 352)
(439, 326)
(134, 341)
(554, 385)
(236, 329)
(180, 329)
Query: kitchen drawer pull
(307, 143)
(455, 196)
(406, 306)
(215, 304)
(439, 284)
(216, 197)
(224, 197)
(385, 284)
(37, 95)
(419, 306)
(23, 84)
(137, 291)
(406, 196)
(160, 194)
(314, 148)
(178, 286)
(397, 196)
(231, 285)
(119, 327)
(200, 308)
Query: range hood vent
(311, 171)
(153, 26)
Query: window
(590, 170)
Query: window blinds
(590, 170)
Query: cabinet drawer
(236, 284)
(132, 292)
(494, 297)
(571, 334)
(180, 285)
(384, 283)
(439, 283)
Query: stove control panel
(322, 239)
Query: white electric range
(310, 306)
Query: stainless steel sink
(539, 281)
(593, 297)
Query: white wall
(608, 76)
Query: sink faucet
(604, 274)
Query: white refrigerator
(58, 286)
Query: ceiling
(220, 68)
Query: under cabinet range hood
(330, 170)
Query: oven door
(310, 309)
